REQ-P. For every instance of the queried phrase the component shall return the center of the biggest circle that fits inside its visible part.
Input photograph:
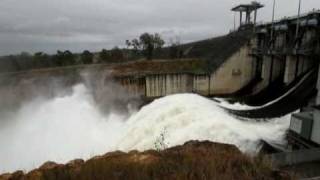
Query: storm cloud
(76, 25)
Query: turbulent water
(71, 127)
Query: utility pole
(272, 25)
(234, 21)
(298, 20)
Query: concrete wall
(308, 36)
(294, 158)
(274, 68)
(265, 74)
(280, 40)
(135, 86)
(300, 66)
(315, 135)
(278, 67)
(307, 64)
(318, 87)
(296, 66)
(166, 84)
(234, 74)
(201, 84)
(290, 71)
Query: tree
(174, 49)
(40, 60)
(128, 43)
(64, 58)
(24, 60)
(158, 41)
(69, 58)
(147, 43)
(136, 45)
(146, 40)
(104, 55)
(116, 54)
(86, 57)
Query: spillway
(71, 126)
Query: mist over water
(71, 127)
(59, 130)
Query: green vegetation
(64, 58)
(87, 57)
(26, 61)
(136, 49)
(161, 143)
(150, 46)
(147, 44)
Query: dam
(265, 56)
(63, 113)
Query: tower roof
(248, 7)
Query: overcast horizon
(48, 26)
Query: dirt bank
(193, 160)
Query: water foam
(71, 127)
(58, 130)
(187, 117)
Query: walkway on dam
(302, 90)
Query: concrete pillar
(255, 17)
(212, 83)
(266, 70)
(149, 86)
(318, 87)
(290, 70)
(300, 65)
(307, 64)
(249, 17)
(155, 86)
(278, 68)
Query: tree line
(146, 46)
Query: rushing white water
(186, 117)
(57, 130)
(71, 127)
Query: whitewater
(71, 127)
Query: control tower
(248, 9)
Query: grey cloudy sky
(48, 25)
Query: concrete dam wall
(260, 58)
(235, 73)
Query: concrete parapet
(295, 157)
